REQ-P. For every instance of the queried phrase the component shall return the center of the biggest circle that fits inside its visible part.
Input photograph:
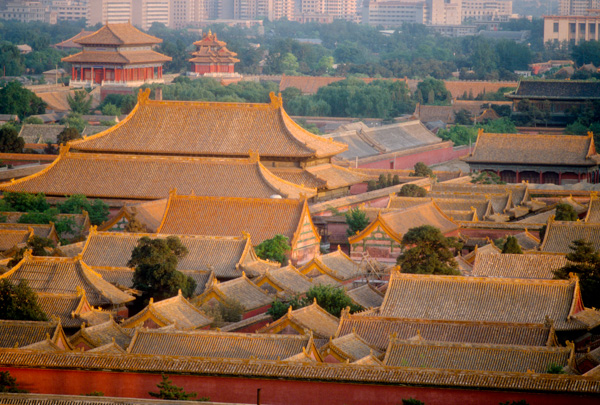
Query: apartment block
(108, 11)
(486, 10)
(68, 10)
(392, 14)
(27, 11)
(577, 7)
(147, 12)
(572, 29)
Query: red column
(72, 72)
(541, 178)
(103, 74)
(518, 177)
(559, 178)
(92, 74)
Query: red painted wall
(273, 392)
(409, 161)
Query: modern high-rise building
(572, 29)
(147, 12)
(108, 11)
(577, 7)
(27, 11)
(392, 14)
(69, 10)
(486, 10)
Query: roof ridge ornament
(276, 101)
(253, 156)
(143, 96)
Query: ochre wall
(273, 392)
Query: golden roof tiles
(529, 265)
(118, 34)
(310, 318)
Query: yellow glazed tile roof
(10, 238)
(176, 311)
(483, 299)
(223, 255)
(312, 318)
(560, 235)
(530, 265)
(352, 347)
(535, 149)
(210, 129)
(288, 279)
(65, 275)
(261, 218)
(366, 296)
(152, 177)
(118, 34)
(102, 334)
(240, 289)
(593, 214)
(221, 345)
(23, 333)
(119, 57)
(376, 331)
(472, 356)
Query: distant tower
(212, 56)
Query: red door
(97, 76)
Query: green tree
(412, 401)
(15, 99)
(80, 103)
(429, 252)
(33, 120)
(459, 134)
(167, 390)
(422, 170)
(23, 202)
(332, 299)
(280, 308)
(274, 249)
(565, 212)
(463, 117)
(8, 383)
(10, 141)
(74, 120)
(435, 90)
(412, 190)
(586, 52)
(229, 310)
(111, 109)
(97, 210)
(584, 261)
(356, 220)
(511, 246)
(289, 64)
(68, 134)
(486, 177)
(156, 274)
(19, 302)
(11, 60)
(554, 368)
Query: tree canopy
(156, 274)
(274, 249)
(584, 262)
(356, 220)
(427, 251)
(16, 99)
(167, 390)
(19, 302)
(422, 170)
(511, 246)
(565, 212)
(68, 134)
(80, 103)
(10, 141)
(97, 210)
(412, 190)
(332, 299)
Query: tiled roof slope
(366, 296)
(288, 279)
(66, 307)
(175, 311)
(483, 299)
(120, 57)
(398, 222)
(261, 218)
(529, 265)
(10, 238)
(69, 43)
(376, 330)
(223, 255)
(102, 334)
(351, 347)
(209, 129)
(336, 264)
(152, 177)
(65, 275)
(118, 34)
(557, 89)
(43, 231)
(23, 333)
(221, 345)
(40, 133)
(470, 356)
(534, 149)
(593, 214)
(519, 192)
(312, 318)
(240, 289)
(560, 235)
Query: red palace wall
(493, 234)
(408, 161)
(273, 392)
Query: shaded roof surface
(424, 214)
(118, 34)
(40, 133)
(218, 344)
(376, 331)
(537, 266)
(209, 129)
(339, 265)
(482, 299)
(289, 279)
(560, 235)
(10, 238)
(316, 319)
(70, 43)
(244, 291)
(65, 276)
(24, 333)
(104, 333)
(469, 356)
(152, 177)
(352, 346)
(534, 149)
(366, 296)
(220, 254)
(261, 218)
(120, 57)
